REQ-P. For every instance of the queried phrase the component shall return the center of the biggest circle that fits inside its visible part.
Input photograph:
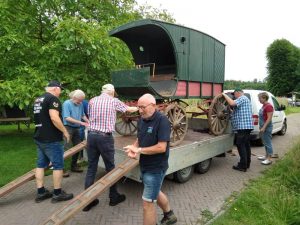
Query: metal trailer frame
(190, 152)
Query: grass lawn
(271, 199)
(17, 152)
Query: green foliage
(272, 199)
(64, 40)
(283, 67)
(255, 85)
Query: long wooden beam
(31, 174)
(62, 215)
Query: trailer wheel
(183, 175)
(203, 167)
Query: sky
(246, 27)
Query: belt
(100, 132)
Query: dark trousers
(100, 144)
(74, 133)
(244, 149)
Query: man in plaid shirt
(242, 124)
(102, 118)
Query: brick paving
(202, 192)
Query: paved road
(203, 192)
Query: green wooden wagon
(172, 62)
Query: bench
(25, 120)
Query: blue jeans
(100, 145)
(50, 152)
(244, 149)
(267, 139)
(152, 184)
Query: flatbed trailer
(193, 154)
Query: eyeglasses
(142, 107)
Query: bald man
(152, 148)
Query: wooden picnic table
(18, 120)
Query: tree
(66, 40)
(283, 67)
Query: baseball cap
(108, 87)
(55, 83)
(237, 90)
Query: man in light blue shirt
(242, 124)
(73, 117)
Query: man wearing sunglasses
(48, 136)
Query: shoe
(76, 169)
(91, 205)
(266, 162)
(119, 199)
(169, 218)
(63, 196)
(261, 157)
(41, 197)
(65, 174)
(239, 168)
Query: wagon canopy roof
(187, 53)
(148, 41)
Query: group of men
(151, 145)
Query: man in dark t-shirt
(152, 146)
(48, 136)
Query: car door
(278, 117)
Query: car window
(248, 96)
(276, 104)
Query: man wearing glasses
(152, 146)
(100, 142)
(48, 136)
(73, 114)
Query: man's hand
(66, 136)
(132, 151)
(84, 124)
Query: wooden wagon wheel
(218, 115)
(177, 117)
(126, 125)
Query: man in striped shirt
(242, 124)
(102, 118)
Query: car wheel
(203, 167)
(283, 128)
(184, 175)
(259, 142)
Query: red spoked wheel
(218, 115)
(179, 124)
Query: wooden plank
(62, 215)
(14, 119)
(31, 174)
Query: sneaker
(91, 205)
(261, 157)
(119, 199)
(266, 162)
(41, 197)
(239, 168)
(76, 169)
(169, 218)
(63, 196)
